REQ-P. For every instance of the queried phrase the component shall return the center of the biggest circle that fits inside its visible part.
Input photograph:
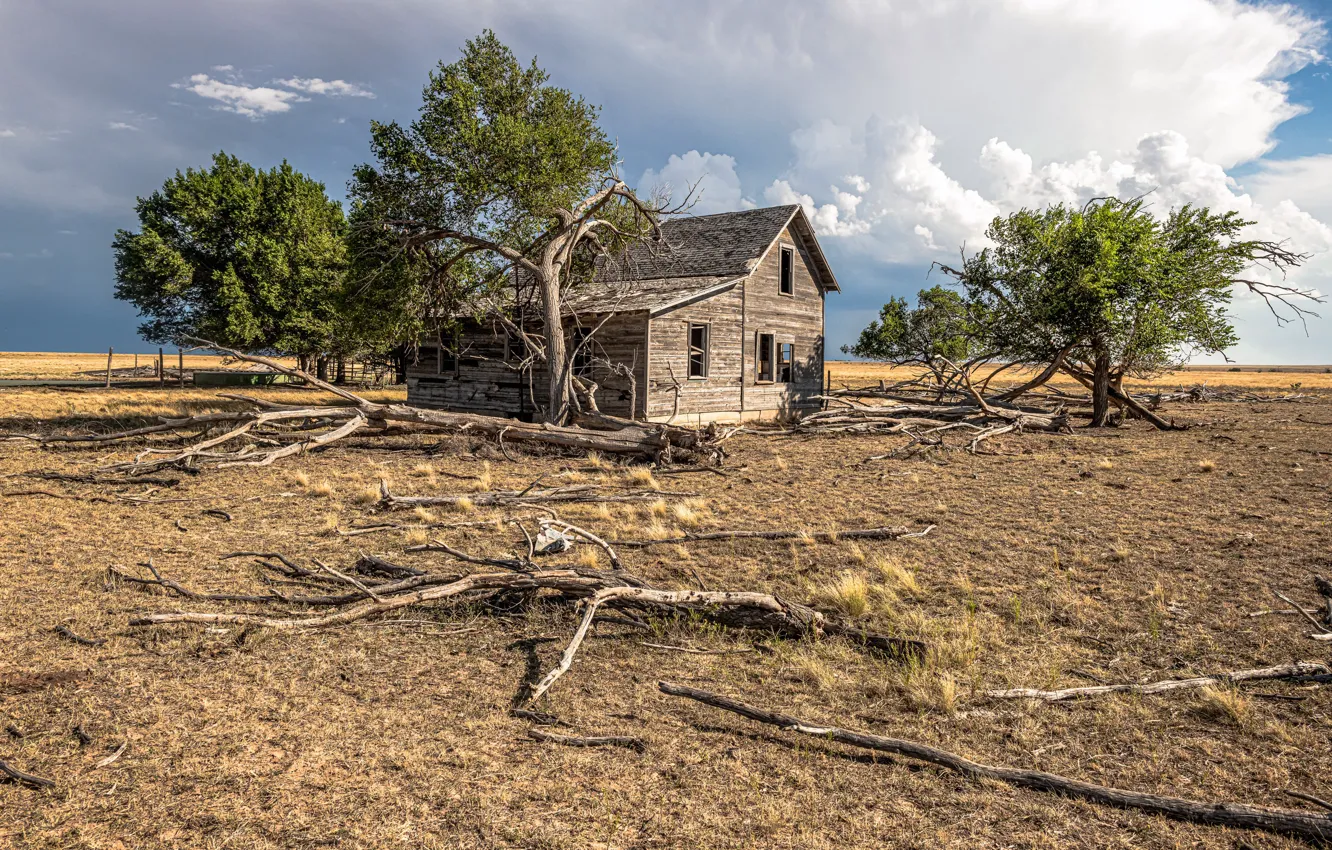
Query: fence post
(180, 366)
(109, 352)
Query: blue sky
(903, 127)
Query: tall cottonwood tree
(1108, 290)
(241, 256)
(500, 173)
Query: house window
(764, 358)
(582, 347)
(698, 351)
(786, 283)
(446, 361)
(784, 363)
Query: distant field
(859, 374)
(58, 365)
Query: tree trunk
(321, 368)
(557, 405)
(400, 364)
(1101, 389)
(341, 373)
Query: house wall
(737, 317)
(797, 319)
(484, 383)
(668, 336)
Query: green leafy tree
(243, 257)
(1109, 290)
(943, 324)
(501, 177)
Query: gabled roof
(721, 245)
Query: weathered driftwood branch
(885, 533)
(574, 493)
(1312, 826)
(635, 744)
(1283, 671)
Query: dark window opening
(763, 368)
(787, 282)
(582, 357)
(698, 351)
(446, 361)
(784, 359)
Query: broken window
(698, 351)
(764, 357)
(582, 352)
(784, 358)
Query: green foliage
(1108, 282)
(244, 257)
(495, 154)
(941, 325)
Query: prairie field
(1118, 555)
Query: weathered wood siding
(795, 319)
(736, 318)
(484, 383)
(669, 338)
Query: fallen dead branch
(584, 493)
(635, 744)
(67, 634)
(1312, 826)
(886, 533)
(23, 777)
(1283, 671)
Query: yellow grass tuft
(416, 537)
(329, 525)
(658, 530)
(856, 554)
(300, 479)
(424, 469)
(367, 495)
(812, 670)
(1206, 466)
(596, 461)
(940, 508)
(936, 692)
(424, 515)
(686, 515)
(1104, 463)
(1225, 704)
(850, 593)
(588, 557)
(782, 464)
(324, 489)
(603, 512)
(898, 576)
(659, 508)
(642, 476)
(464, 505)
(483, 481)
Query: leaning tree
(505, 185)
(1108, 290)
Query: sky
(902, 126)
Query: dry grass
(849, 593)
(399, 736)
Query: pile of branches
(327, 597)
(270, 431)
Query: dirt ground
(1122, 554)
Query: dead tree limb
(1311, 826)
(26, 778)
(1283, 671)
(575, 493)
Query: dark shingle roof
(718, 245)
(625, 296)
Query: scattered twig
(65, 632)
(1284, 671)
(635, 744)
(111, 759)
(20, 776)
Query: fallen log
(1283, 671)
(884, 533)
(1311, 826)
(24, 777)
(574, 493)
(635, 744)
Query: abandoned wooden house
(725, 323)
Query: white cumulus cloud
(250, 101)
(711, 176)
(329, 88)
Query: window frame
(706, 348)
(441, 357)
(760, 348)
(784, 363)
(786, 271)
(580, 365)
